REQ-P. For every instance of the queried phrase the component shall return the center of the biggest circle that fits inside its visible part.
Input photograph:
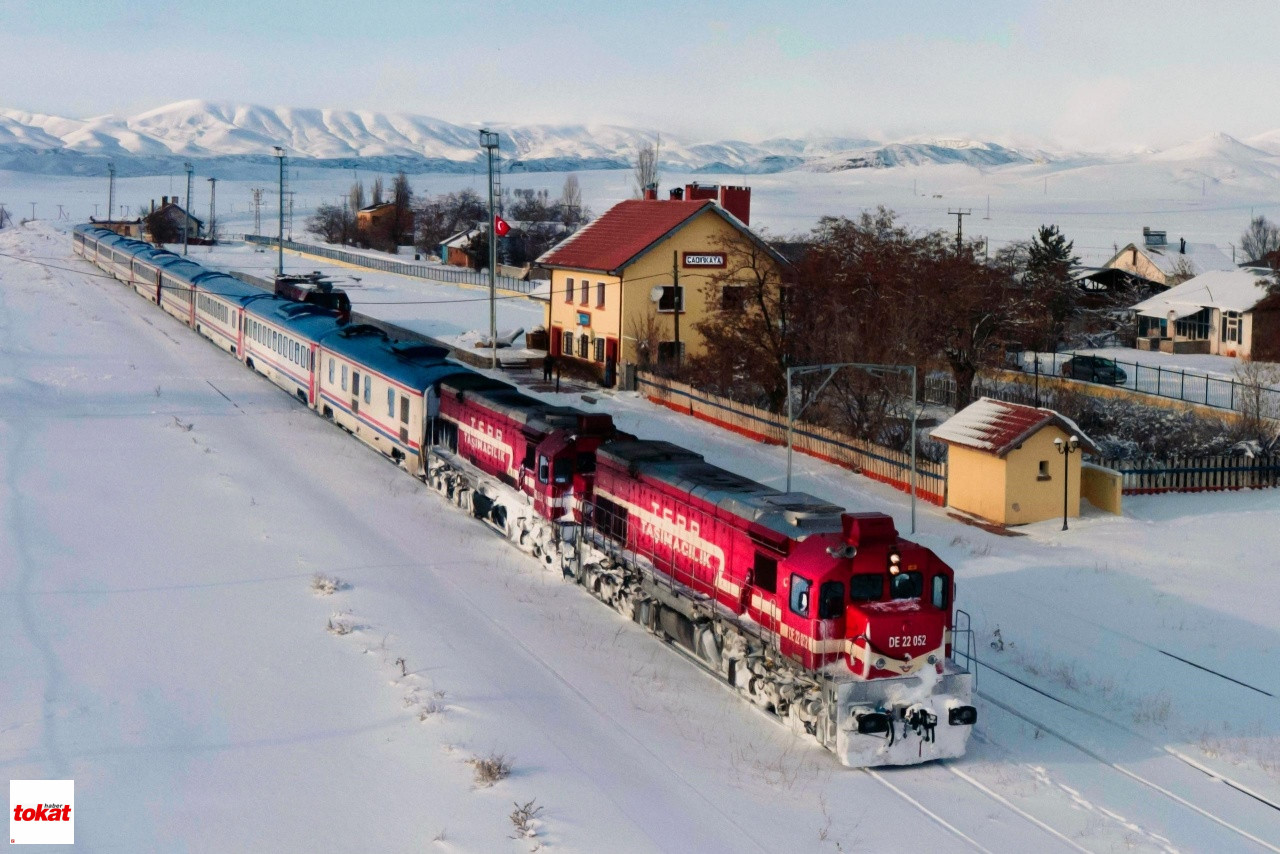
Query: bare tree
(329, 223)
(1260, 239)
(377, 191)
(1259, 403)
(572, 211)
(401, 223)
(646, 168)
(357, 197)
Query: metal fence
(1175, 384)
(1196, 474)
(422, 271)
(875, 461)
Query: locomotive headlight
(962, 716)
(879, 664)
(933, 659)
(895, 561)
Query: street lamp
(1066, 448)
(489, 142)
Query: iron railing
(432, 272)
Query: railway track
(1168, 772)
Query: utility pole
(280, 241)
(257, 210)
(959, 214)
(186, 213)
(33, 210)
(489, 141)
(111, 190)
(675, 302)
(213, 195)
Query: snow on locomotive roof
(521, 408)
(793, 514)
(408, 363)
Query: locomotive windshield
(906, 585)
(866, 587)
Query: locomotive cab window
(765, 573)
(530, 454)
(906, 585)
(544, 469)
(831, 600)
(563, 469)
(866, 587)
(800, 595)
(939, 592)
(586, 463)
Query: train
(828, 620)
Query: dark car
(1094, 369)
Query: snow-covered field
(165, 511)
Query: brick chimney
(736, 200)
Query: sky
(1088, 74)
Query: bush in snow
(524, 818)
(490, 769)
(340, 625)
(324, 585)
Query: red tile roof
(999, 427)
(621, 233)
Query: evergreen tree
(1050, 257)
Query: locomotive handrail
(969, 652)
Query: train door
(238, 318)
(313, 373)
(355, 392)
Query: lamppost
(1066, 448)
(489, 142)
(280, 240)
(186, 214)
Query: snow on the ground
(166, 651)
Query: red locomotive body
(839, 595)
(546, 452)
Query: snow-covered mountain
(245, 135)
(205, 130)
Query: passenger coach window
(866, 588)
(331, 372)
(368, 388)
(344, 377)
(831, 600)
(906, 585)
(765, 573)
(391, 403)
(800, 595)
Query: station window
(800, 595)
(669, 297)
(568, 290)
(584, 345)
(599, 294)
(1044, 470)
(585, 291)
(599, 349)
(567, 349)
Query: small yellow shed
(1006, 462)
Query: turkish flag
(500, 226)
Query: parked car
(1094, 369)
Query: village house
(167, 220)
(631, 286)
(1164, 264)
(379, 219)
(1221, 313)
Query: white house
(1164, 263)
(1211, 313)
